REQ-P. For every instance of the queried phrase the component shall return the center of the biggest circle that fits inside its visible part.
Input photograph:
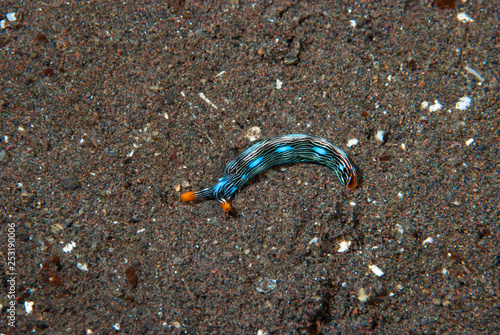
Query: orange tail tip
(225, 206)
(188, 196)
(352, 182)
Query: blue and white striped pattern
(295, 148)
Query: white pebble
(82, 267)
(11, 17)
(376, 270)
(463, 103)
(313, 240)
(344, 246)
(380, 135)
(469, 141)
(279, 84)
(437, 106)
(69, 247)
(253, 134)
(352, 141)
(362, 296)
(28, 306)
(463, 17)
(428, 240)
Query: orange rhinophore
(225, 206)
(188, 196)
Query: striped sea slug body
(295, 148)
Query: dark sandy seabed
(103, 127)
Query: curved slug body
(295, 148)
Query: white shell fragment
(314, 240)
(28, 306)
(253, 134)
(463, 103)
(82, 267)
(474, 73)
(434, 108)
(362, 296)
(69, 247)
(469, 141)
(11, 17)
(380, 135)
(204, 98)
(344, 246)
(279, 84)
(376, 270)
(428, 240)
(463, 17)
(352, 141)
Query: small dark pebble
(384, 158)
(412, 64)
(41, 37)
(173, 154)
(445, 4)
(56, 261)
(484, 233)
(41, 325)
(70, 183)
(131, 276)
(48, 72)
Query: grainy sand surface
(111, 109)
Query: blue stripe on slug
(220, 184)
(319, 150)
(285, 149)
(255, 162)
